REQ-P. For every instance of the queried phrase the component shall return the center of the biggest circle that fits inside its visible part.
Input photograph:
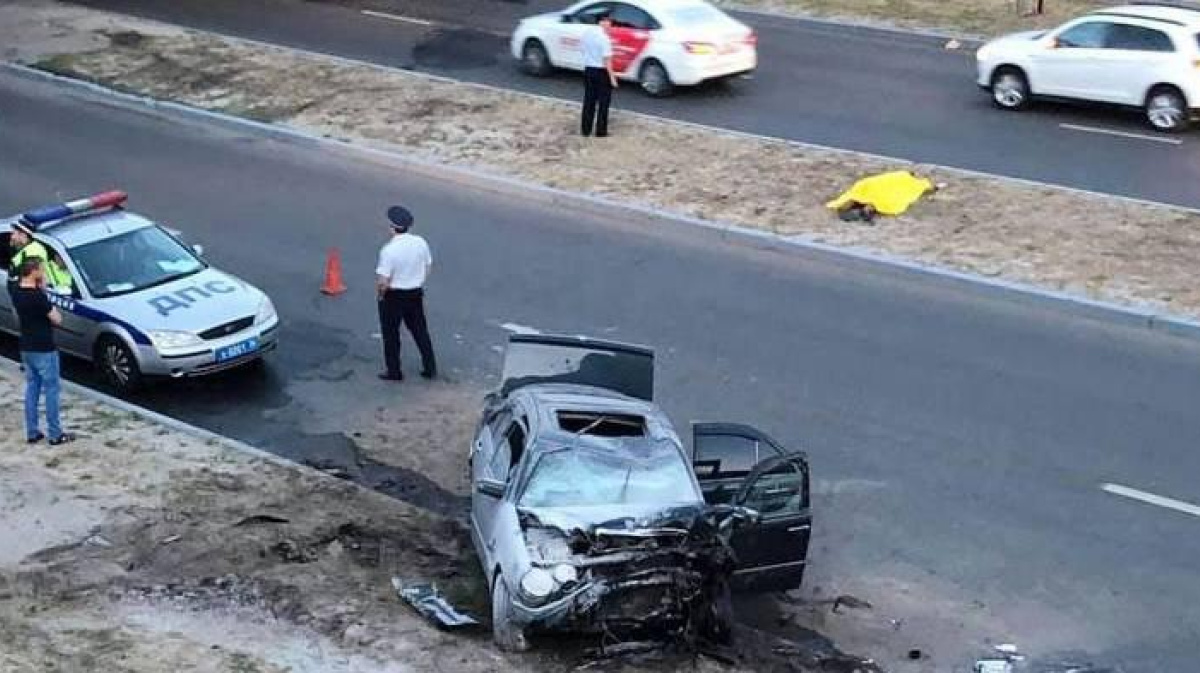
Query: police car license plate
(236, 350)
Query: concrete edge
(13, 367)
(1018, 293)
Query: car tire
(508, 636)
(535, 60)
(117, 365)
(1010, 88)
(655, 80)
(1166, 109)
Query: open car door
(739, 465)
(536, 358)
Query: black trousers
(405, 307)
(597, 94)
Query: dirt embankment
(1092, 246)
(141, 549)
(976, 17)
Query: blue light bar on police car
(79, 206)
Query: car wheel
(535, 60)
(117, 365)
(655, 80)
(1010, 89)
(1166, 109)
(508, 635)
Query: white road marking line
(1121, 134)
(519, 329)
(1150, 498)
(396, 17)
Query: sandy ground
(141, 549)
(1098, 247)
(973, 17)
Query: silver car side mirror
(198, 249)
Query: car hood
(193, 304)
(1025, 37)
(613, 517)
(543, 19)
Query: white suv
(1146, 56)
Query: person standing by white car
(599, 78)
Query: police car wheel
(118, 365)
(535, 60)
(654, 79)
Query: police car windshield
(133, 261)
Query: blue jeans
(41, 376)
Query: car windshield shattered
(133, 261)
(579, 478)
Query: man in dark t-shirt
(38, 317)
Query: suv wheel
(535, 60)
(1010, 88)
(508, 636)
(655, 80)
(1166, 109)
(117, 365)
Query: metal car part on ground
(587, 513)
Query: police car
(143, 303)
(657, 43)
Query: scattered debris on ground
(1093, 246)
(140, 549)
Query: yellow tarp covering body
(888, 193)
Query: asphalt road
(960, 442)
(857, 88)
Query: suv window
(1138, 38)
(1090, 35)
(728, 455)
(628, 16)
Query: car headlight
(564, 574)
(173, 339)
(983, 53)
(537, 586)
(266, 312)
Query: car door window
(1088, 35)
(780, 491)
(628, 16)
(1138, 38)
(591, 14)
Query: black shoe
(388, 376)
(35, 439)
(62, 439)
(429, 374)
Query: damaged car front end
(665, 576)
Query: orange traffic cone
(333, 273)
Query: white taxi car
(657, 43)
(1143, 56)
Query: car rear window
(601, 424)
(692, 15)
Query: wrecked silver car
(588, 514)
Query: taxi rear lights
(45, 214)
(751, 39)
(700, 47)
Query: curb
(880, 25)
(1017, 293)
(175, 424)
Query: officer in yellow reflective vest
(23, 247)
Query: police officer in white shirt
(403, 267)
(599, 78)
